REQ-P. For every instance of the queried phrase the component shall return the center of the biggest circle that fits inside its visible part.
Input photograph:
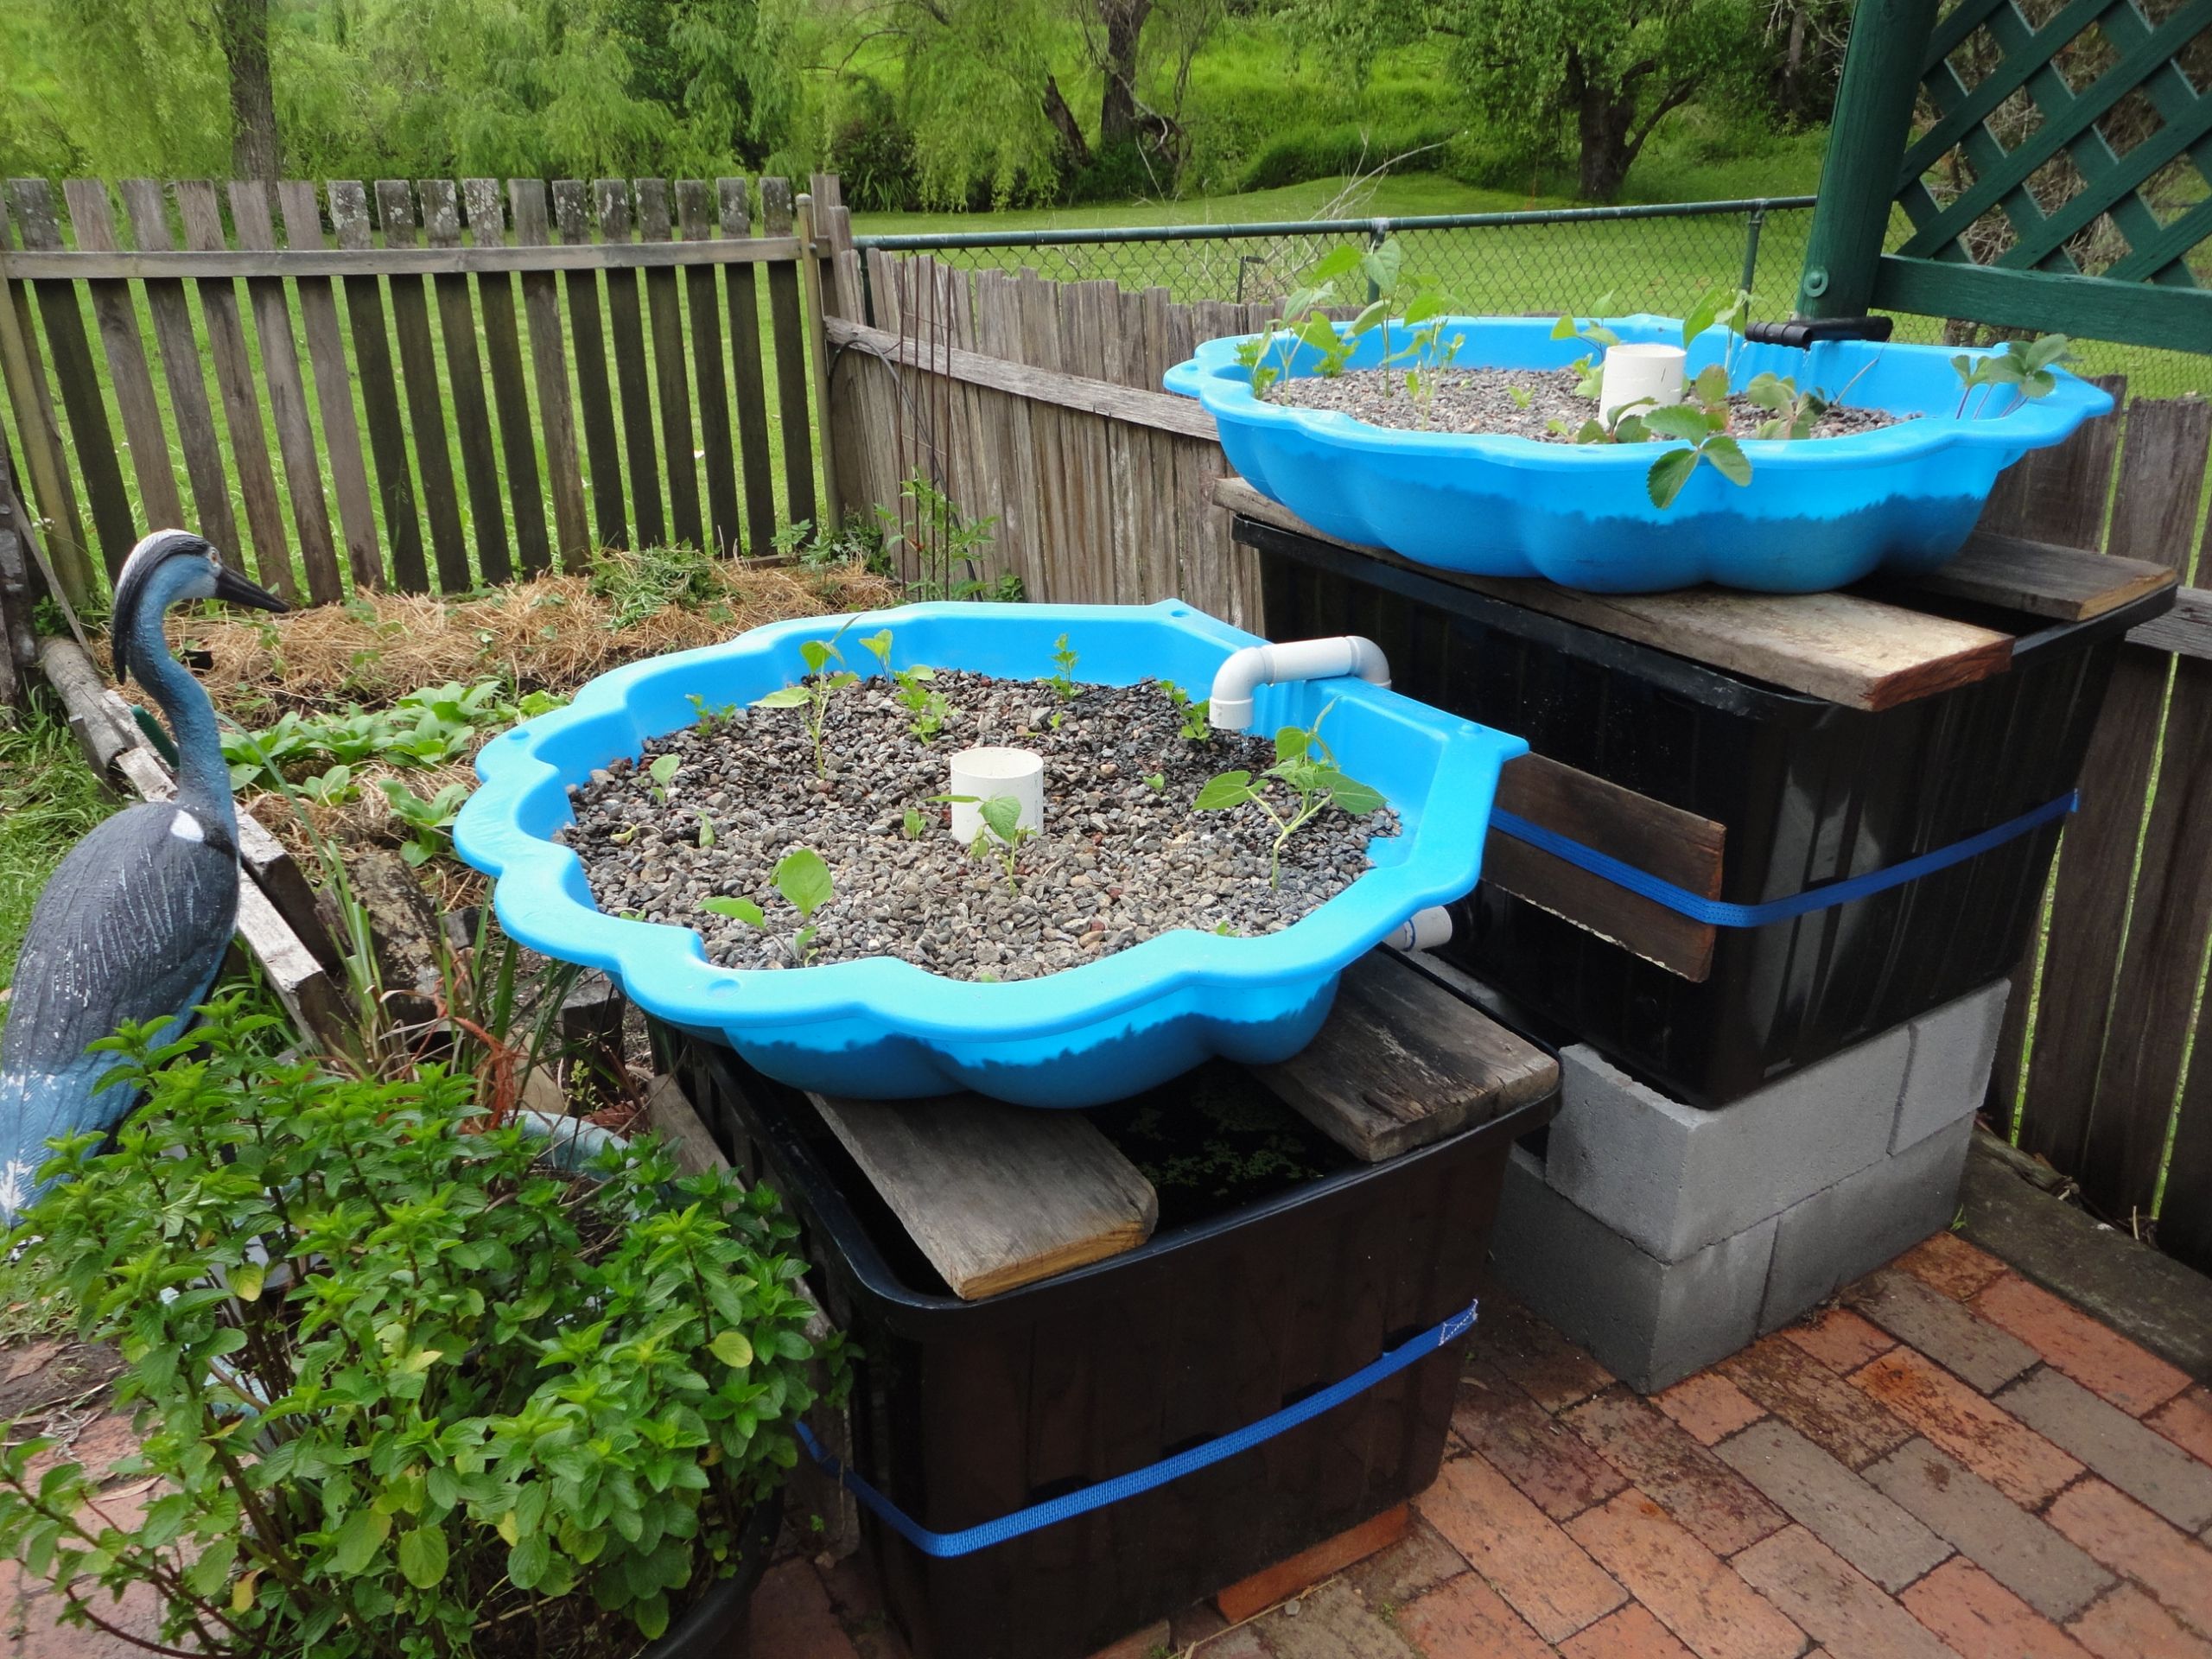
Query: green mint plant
(814, 693)
(1307, 770)
(429, 823)
(2025, 367)
(803, 877)
(1195, 728)
(404, 1389)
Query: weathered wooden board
(420, 373)
(742, 296)
(602, 443)
(128, 377)
(625, 321)
(672, 389)
(996, 1196)
(2043, 578)
(471, 413)
(1663, 840)
(1860, 652)
(1401, 1062)
(364, 309)
(557, 419)
(519, 427)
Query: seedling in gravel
(1155, 781)
(1727, 308)
(1063, 676)
(1590, 367)
(1790, 413)
(711, 721)
(912, 825)
(803, 879)
(1624, 424)
(813, 693)
(706, 832)
(2026, 367)
(662, 772)
(1303, 765)
(1196, 727)
(1002, 836)
(928, 707)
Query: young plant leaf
(1667, 475)
(1340, 262)
(738, 910)
(1003, 814)
(664, 769)
(732, 1348)
(1728, 459)
(881, 645)
(1220, 793)
(913, 824)
(1678, 421)
(1349, 795)
(803, 878)
(792, 696)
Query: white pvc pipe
(1230, 707)
(1423, 931)
(1639, 372)
(987, 772)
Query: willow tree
(1617, 68)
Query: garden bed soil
(1481, 400)
(1119, 860)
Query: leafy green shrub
(873, 152)
(1305, 153)
(409, 1392)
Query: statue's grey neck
(203, 779)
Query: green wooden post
(1873, 118)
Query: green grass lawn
(49, 799)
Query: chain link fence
(1655, 257)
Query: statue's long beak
(236, 590)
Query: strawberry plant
(2025, 367)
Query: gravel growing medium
(1117, 862)
(1481, 400)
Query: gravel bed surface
(1118, 861)
(1481, 400)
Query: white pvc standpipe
(1638, 373)
(987, 774)
(1424, 929)
(1229, 707)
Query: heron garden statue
(134, 924)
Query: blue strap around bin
(943, 1545)
(1716, 913)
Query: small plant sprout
(813, 693)
(1590, 367)
(1302, 325)
(1002, 836)
(710, 719)
(1304, 766)
(1624, 423)
(2024, 365)
(1063, 676)
(928, 707)
(1789, 413)
(706, 832)
(1155, 781)
(803, 878)
(662, 772)
(1522, 396)
(913, 824)
(1196, 727)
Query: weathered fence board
(444, 425)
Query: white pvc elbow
(1424, 929)
(1230, 707)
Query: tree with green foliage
(1618, 67)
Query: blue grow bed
(883, 1029)
(1818, 513)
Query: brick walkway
(1952, 1462)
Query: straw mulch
(550, 634)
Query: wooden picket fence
(632, 387)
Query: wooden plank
(62, 266)
(287, 398)
(182, 372)
(549, 361)
(2186, 630)
(671, 390)
(1402, 1063)
(402, 523)
(2058, 494)
(1860, 652)
(44, 459)
(75, 374)
(602, 444)
(817, 347)
(625, 314)
(1037, 303)
(1047, 384)
(419, 374)
(1145, 322)
(472, 411)
(998, 328)
(2077, 1016)
(2154, 511)
(495, 298)
(2067, 583)
(996, 1196)
(334, 393)
(1666, 841)
(201, 213)
(788, 332)
(747, 384)
(93, 220)
(695, 216)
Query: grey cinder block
(1823, 1242)
(1649, 1322)
(1947, 1075)
(1674, 1179)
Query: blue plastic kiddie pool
(1818, 513)
(883, 1029)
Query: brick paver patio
(1951, 1462)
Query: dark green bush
(1324, 152)
(874, 152)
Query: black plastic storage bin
(1808, 791)
(965, 1412)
